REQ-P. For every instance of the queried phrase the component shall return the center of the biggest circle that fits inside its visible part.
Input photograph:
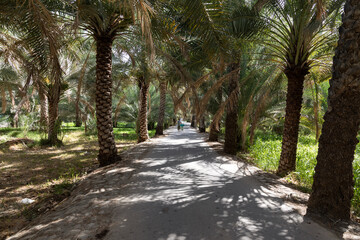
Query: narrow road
(183, 190)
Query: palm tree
(162, 106)
(333, 179)
(35, 22)
(298, 36)
(105, 20)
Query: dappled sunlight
(63, 156)
(178, 190)
(193, 184)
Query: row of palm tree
(201, 51)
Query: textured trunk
(53, 97)
(202, 127)
(333, 179)
(316, 111)
(214, 133)
(77, 113)
(3, 97)
(294, 98)
(12, 97)
(107, 146)
(143, 134)
(231, 123)
(44, 118)
(193, 121)
(215, 130)
(160, 124)
(245, 123)
(117, 110)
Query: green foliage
(266, 153)
(356, 169)
(7, 134)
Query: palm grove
(240, 69)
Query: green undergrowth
(265, 153)
(124, 132)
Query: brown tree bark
(214, 133)
(53, 112)
(231, 120)
(316, 111)
(333, 180)
(202, 127)
(107, 146)
(215, 130)
(44, 108)
(117, 110)
(143, 134)
(3, 100)
(296, 77)
(193, 121)
(160, 124)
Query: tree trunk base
(159, 130)
(213, 136)
(51, 143)
(105, 160)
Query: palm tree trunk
(202, 127)
(78, 121)
(294, 99)
(214, 133)
(316, 111)
(231, 120)
(107, 146)
(214, 130)
(44, 118)
(117, 110)
(54, 98)
(193, 121)
(143, 134)
(333, 180)
(160, 124)
(3, 97)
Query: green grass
(7, 134)
(266, 154)
(124, 132)
(47, 175)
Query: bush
(266, 154)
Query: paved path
(178, 189)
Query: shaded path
(182, 190)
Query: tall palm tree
(106, 20)
(143, 133)
(298, 37)
(35, 22)
(162, 106)
(333, 179)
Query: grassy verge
(266, 150)
(45, 175)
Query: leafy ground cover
(45, 175)
(265, 153)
